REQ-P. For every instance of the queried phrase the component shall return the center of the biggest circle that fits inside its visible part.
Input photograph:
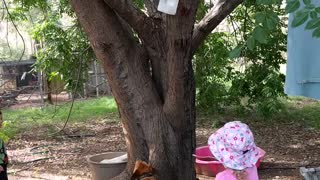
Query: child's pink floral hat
(234, 146)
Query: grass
(19, 120)
(295, 110)
(302, 110)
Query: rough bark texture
(151, 79)
(49, 86)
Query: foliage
(211, 70)
(203, 8)
(305, 12)
(67, 46)
(258, 43)
(11, 48)
(250, 76)
(139, 3)
(63, 50)
(263, 45)
(8, 52)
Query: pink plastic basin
(207, 165)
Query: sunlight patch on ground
(33, 175)
(295, 146)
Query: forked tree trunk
(151, 77)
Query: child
(3, 156)
(234, 146)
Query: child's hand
(1, 169)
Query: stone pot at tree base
(107, 165)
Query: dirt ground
(37, 154)
(288, 147)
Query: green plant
(20, 120)
(308, 13)
(63, 49)
(261, 44)
(249, 75)
(211, 70)
(65, 53)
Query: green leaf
(139, 3)
(272, 20)
(316, 33)
(310, 6)
(260, 34)
(313, 14)
(271, 24)
(317, 10)
(266, 2)
(313, 23)
(260, 17)
(307, 2)
(235, 52)
(292, 6)
(251, 43)
(268, 19)
(300, 17)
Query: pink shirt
(252, 174)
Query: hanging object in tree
(168, 6)
(303, 63)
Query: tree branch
(211, 20)
(137, 19)
(152, 9)
(119, 53)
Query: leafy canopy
(305, 12)
(63, 49)
(256, 42)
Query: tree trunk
(151, 76)
(157, 107)
(49, 91)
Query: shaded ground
(66, 153)
(288, 147)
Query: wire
(15, 26)
(74, 90)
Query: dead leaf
(142, 168)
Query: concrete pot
(105, 171)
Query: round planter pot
(105, 171)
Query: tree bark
(151, 79)
(212, 19)
(49, 91)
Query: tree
(151, 76)
(147, 56)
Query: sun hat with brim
(234, 146)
